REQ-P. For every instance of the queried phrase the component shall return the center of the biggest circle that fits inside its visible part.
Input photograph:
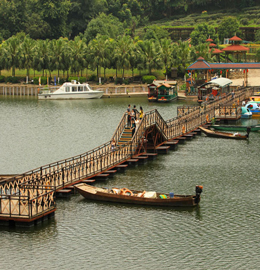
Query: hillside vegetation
(51, 19)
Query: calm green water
(222, 233)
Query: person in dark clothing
(133, 126)
(129, 115)
(136, 112)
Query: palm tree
(57, 47)
(12, 50)
(166, 53)
(182, 57)
(78, 49)
(124, 46)
(42, 57)
(149, 53)
(201, 50)
(99, 52)
(27, 54)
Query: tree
(228, 28)
(42, 56)
(149, 53)
(202, 32)
(166, 53)
(123, 50)
(201, 50)
(58, 48)
(78, 50)
(82, 12)
(54, 12)
(98, 52)
(155, 32)
(27, 54)
(182, 57)
(106, 25)
(12, 51)
(257, 36)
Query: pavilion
(235, 48)
(208, 68)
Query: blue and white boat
(246, 113)
(253, 107)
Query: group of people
(133, 117)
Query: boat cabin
(74, 87)
(167, 92)
(213, 89)
(152, 92)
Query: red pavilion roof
(209, 40)
(212, 45)
(235, 48)
(235, 38)
(216, 51)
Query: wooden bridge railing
(32, 193)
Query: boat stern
(198, 190)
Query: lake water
(222, 233)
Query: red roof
(212, 45)
(200, 64)
(216, 51)
(235, 38)
(209, 40)
(235, 48)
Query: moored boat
(246, 113)
(71, 90)
(253, 107)
(225, 135)
(124, 195)
(235, 128)
(255, 97)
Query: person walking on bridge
(128, 115)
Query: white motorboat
(70, 90)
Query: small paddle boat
(246, 113)
(225, 135)
(125, 195)
(253, 107)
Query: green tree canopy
(106, 25)
(228, 28)
(202, 32)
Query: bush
(78, 79)
(43, 80)
(62, 80)
(11, 79)
(2, 78)
(126, 81)
(92, 78)
(148, 79)
(118, 80)
(244, 21)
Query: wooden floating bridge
(29, 198)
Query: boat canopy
(222, 82)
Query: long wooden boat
(125, 195)
(226, 135)
(235, 128)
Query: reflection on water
(222, 233)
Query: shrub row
(11, 79)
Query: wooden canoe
(236, 128)
(124, 195)
(225, 135)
